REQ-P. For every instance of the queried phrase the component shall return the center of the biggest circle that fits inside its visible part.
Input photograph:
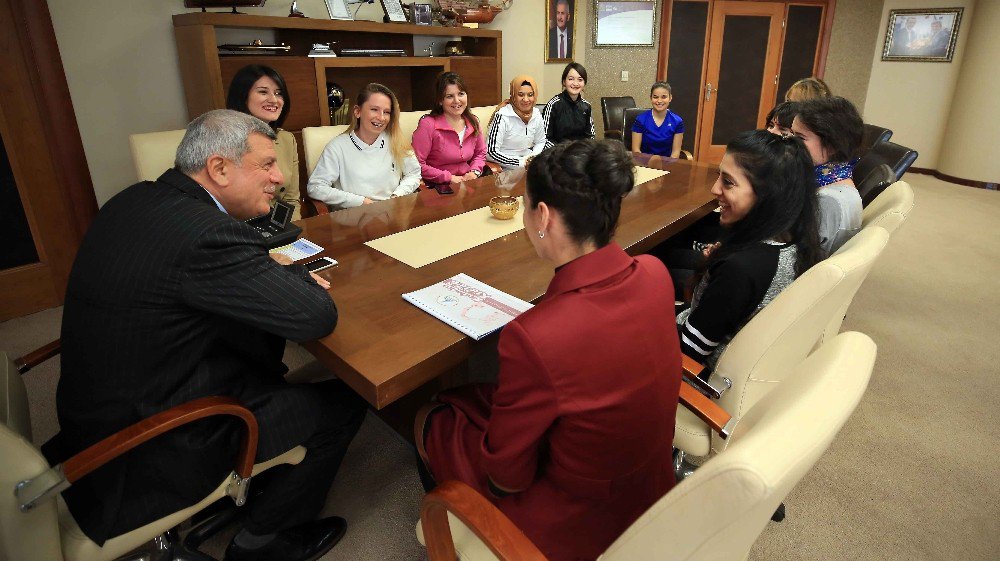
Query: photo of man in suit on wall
(559, 21)
(922, 35)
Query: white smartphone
(320, 264)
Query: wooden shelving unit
(206, 74)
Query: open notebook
(472, 307)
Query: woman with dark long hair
(573, 443)
(260, 91)
(449, 142)
(767, 201)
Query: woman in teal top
(658, 131)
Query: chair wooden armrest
(128, 438)
(685, 155)
(504, 539)
(60, 477)
(38, 356)
(706, 410)
(691, 367)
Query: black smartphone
(444, 189)
(320, 264)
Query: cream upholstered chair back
(890, 209)
(153, 152)
(765, 352)
(408, 123)
(314, 141)
(719, 511)
(483, 114)
(34, 535)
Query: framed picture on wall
(560, 16)
(922, 35)
(624, 23)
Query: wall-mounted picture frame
(560, 16)
(422, 14)
(624, 23)
(338, 9)
(921, 35)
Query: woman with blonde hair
(516, 132)
(371, 162)
(806, 89)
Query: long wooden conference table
(384, 347)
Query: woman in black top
(567, 116)
(767, 201)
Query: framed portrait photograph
(560, 15)
(922, 35)
(624, 23)
(422, 14)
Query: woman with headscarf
(516, 132)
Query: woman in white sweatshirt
(516, 130)
(372, 162)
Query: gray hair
(220, 131)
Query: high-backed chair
(887, 212)
(899, 158)
(628, 119)
(766, 350)
(483, 114)
(872, 135)
(153, 152)
(876, 182)
(408, 123)
(35, 524)
(314, 141)
(720, 510)
(889, 209)
(613, 114)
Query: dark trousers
(296, 494)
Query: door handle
(708, 92)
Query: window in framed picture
(922, 35)
(624, 23)
(559, 20)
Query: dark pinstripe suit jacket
(169, 300)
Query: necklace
(832, 172)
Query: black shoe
(305, 542)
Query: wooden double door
(730, 61)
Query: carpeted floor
(911, 476)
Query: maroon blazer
(582, 418)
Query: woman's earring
(541, 234)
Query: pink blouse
(441, 155)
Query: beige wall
(973, 132)
(914, 98)
(855, 34)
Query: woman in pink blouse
(448, 142)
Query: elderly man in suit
(561, 36)
(173, 297)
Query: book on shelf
(472, 307)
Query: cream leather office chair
(483, 114)
(716, 513)
(35, 524)
(314, 141)
(153, 152)
(408, 121)
(764, 353)
(890, 209)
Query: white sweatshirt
(510, 141)
(350, 170)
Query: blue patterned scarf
(832, 172)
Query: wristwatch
(478, 172)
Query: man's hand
(320, 281)
(281, 258)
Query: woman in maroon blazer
(574, 441)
